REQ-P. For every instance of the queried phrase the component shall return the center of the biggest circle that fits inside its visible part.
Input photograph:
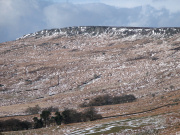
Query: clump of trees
(48, 118)
(109, 100)
(14, 125)
(66, 117)
(72, 116)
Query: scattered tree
(38, 123)
(91, 114)
(58, 118)
(45, 116)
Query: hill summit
(105, 30)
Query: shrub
(123, 99)
(51, 109)
(45, 116)
(108, 100)
(91, 114)
(101, 100)
(71, 116)
(153, 95)
(58, 118)
(38, 123)
(33, 110)
(14, 125)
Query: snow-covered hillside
(56, 66)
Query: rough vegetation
(64, 68)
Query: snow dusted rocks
(104, 30)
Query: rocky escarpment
(105, 30)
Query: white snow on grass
(122, 125)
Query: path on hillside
(128, 114)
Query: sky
(20, 17)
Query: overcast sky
(20, 17)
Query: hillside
(66, 67)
